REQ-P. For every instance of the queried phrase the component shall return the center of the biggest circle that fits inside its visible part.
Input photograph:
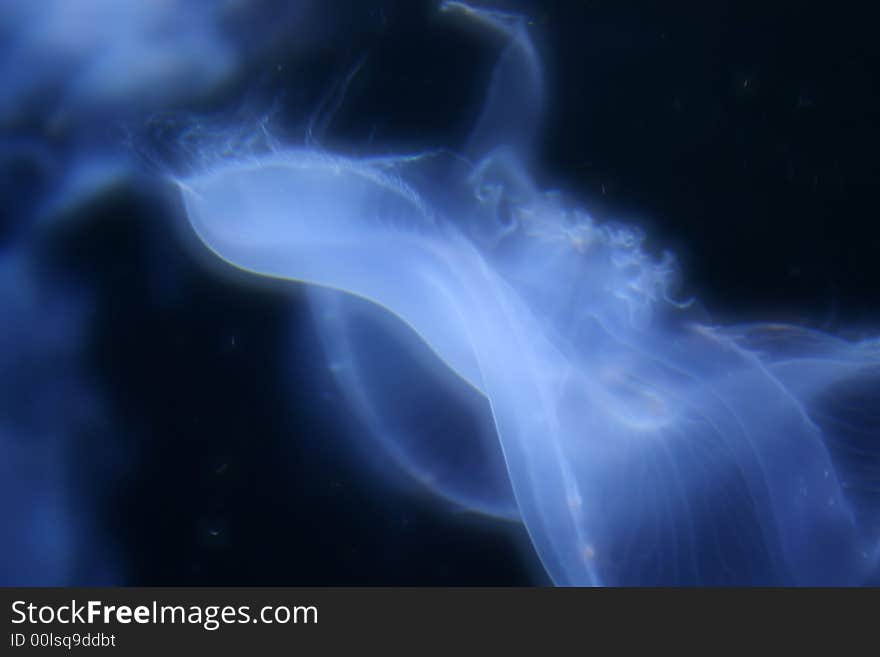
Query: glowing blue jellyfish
(641, 445)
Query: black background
(743, 136)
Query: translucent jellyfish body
(641, 446)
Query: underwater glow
(94, 55)
(642, 445)
(81, 78)
(47, 410)
(78, 78)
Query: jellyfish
(640, 444)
